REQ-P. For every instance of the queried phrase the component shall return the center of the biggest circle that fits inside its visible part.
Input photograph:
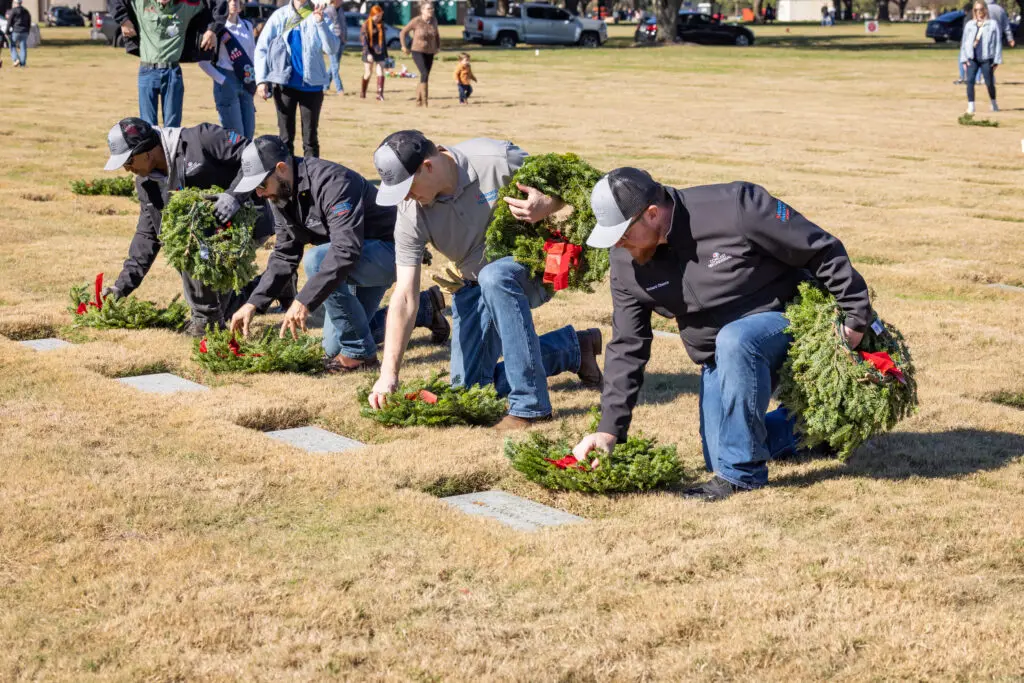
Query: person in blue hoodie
(981, 49)
(290, 68)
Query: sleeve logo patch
(341, 209)
(782, 212)
(233, 137)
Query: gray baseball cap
(127, 138)
(397, 160)
(617, 200)
(259, 159)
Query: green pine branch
(221, 257)
(477, 405)
(126, 313)
(570, 179)
(119, 186)
(260, 353)
(837, 398)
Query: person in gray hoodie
(981, 49)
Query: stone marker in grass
(315, 440)
(518, 513)
(161, 383)
(48, 344)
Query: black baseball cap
(127, 138)
(397, 160)
(259, 159)
(617, 199)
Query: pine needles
(119, 186)
(837, 398)
(569, 178)
(221, 352)
(433, 402)
(969, 120)
(127, 313)
(221, 257)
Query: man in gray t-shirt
(446, 197)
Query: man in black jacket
(168, 159)
(19, 24)
(325, 204)
(723, 260)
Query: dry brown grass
(162, 538)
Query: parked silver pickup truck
(535, 23)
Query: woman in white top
(981, 49)
(234, 82)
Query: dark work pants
(308, 104)
(212, 308)
(424, 62)
(464, 92)
(985, 66)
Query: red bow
(561, 256)
(884, 363)
(422, 395)
(233, 346)
(84, 306)
(566, 462)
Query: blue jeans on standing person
(737, 436)
(984, 67)
(19, 47)
(963, 71)
(235, 105)
(164, 86)
(334, 74)
(491, 319)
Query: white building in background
(800, 10)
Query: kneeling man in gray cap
(723, 260)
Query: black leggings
(308, 104)
(424, 62)
(987, 72)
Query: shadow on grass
(844, 43)
(931, 455)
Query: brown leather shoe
(341, 364)
(591, 345)
(511, 423)
(440, 328)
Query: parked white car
(535, 23)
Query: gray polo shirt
(456, 225)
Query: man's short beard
(283, 194)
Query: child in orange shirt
(463, 76)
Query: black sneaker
(440, 328)
(712, 490)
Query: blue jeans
(493, 318)
(963, 71)
(737, 436)
(234, 105)
(983, 67)
(334, 74)
(19, 46)
(164, 86)
(464, 92)
(424, 316)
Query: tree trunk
(572, 6)
(667, 13)
(502, 8)
(902, 6)
(757, 12)
(480, 7)
(848, 10)
(583, 7)
(882, 10)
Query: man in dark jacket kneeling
(723, 260)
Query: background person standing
(335, 13)
(426, 42)
(981, 49)
(375, 50)
(289, 60)
(234, 75)
(18, 26)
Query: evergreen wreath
(639, 464)
(221, 257)
(840, 397)
(570, 179)
(119, 186)
(126, 313)
(219, 351)
(433, 402)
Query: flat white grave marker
(315, 440)
(161, 383)
(48, 344)
(1008, 288)
(516, 512)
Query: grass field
(148, 538)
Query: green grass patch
(969, 120)
(1014, 399)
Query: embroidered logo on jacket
(341, 209)
(718, 259)
(782, 211)
(191, 167)
(657, 286)
(487, 197)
